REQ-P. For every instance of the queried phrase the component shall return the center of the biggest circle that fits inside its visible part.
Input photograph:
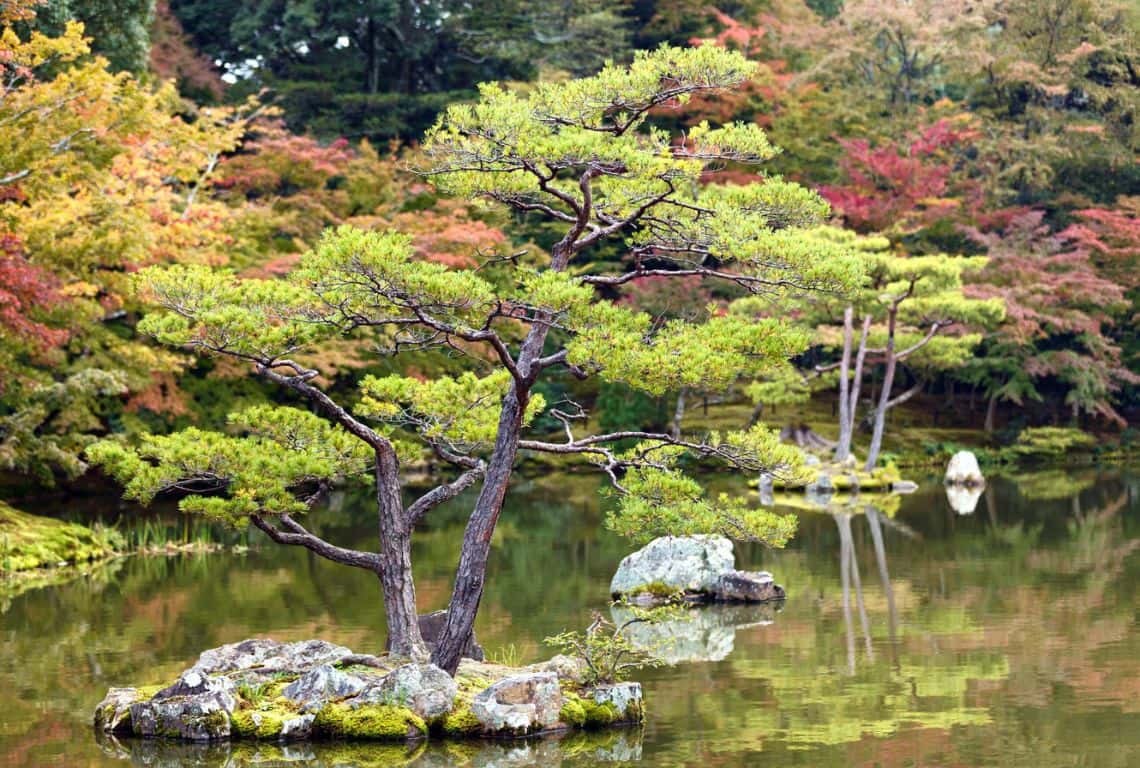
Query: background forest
(137, 133)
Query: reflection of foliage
(1053, 484)
(606, 649)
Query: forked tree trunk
(884, 396)
(395, 570)
(843, 445)
(471, 574)
(847, 428)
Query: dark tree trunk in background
(991, 409)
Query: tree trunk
(884, 395)
(396, 561)
(991, 409)
(853, 402)
(754, 417)
(678, 415)
(843, 446)
(471, 573)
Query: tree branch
(299, 536)
(442, 493)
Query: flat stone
(904, 486)
(747, 587)
(686, 563)
(424, 688)
(269, 657)
(321, 685)
(113, 714)
(626, 698)
(519, 704)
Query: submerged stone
(747, 587)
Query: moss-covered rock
(30, 541)
(369, 721)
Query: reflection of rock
(963, 499)
(963, 469)
(615, 746)
(707, 633)
(701, 567)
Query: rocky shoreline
(262, 689)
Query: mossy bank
(28, 542)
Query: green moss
(460, 721)
(572, 712)
(656, 589)
(256, 724)
(584, 712)
(372, 721)
(29, 541)
(147, 692)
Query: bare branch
(446, 492)
(297, 535)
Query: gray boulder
(431, 627)
(113, 714)
(297, 728)
(904, 486)
(747, 587)
(424, 688)
(626, 698)
(519, 704)
(266, 657)
(320, 685)
(687, 563)
(963, 469)
(196, 708)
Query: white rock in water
(963, 469)
(687, 563)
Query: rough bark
(395, 568)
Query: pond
(911, 637)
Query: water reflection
(700, 633)
(916, 637)
(621, 745)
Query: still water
(911, 637)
